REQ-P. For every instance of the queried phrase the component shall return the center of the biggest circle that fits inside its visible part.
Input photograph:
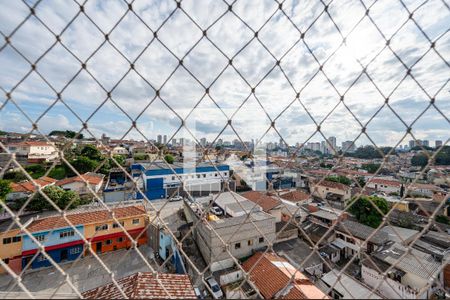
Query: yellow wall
(89, 229)
(12, 249)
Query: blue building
(61, 244)
(158, 178)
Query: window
(135, 221)
(215, 174)
(40, 238)
(6, 241)
(66, 234)
(198, 176)
(108, 242)
(250, 242)
(5, 260)
(225, 173)
(75, 250)
(173, 177)
(115, 225)
(204, 175)
(101, 227)
(261, 240)
(120, 240)
(237, 246)
(16, 239)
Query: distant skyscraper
(174, 142)
(159, 139)
(203, 142)
(412, 144)
(438, 143)
(165, 139)
(182, 141)
(348, 146)
(426, 143)
(219, 142)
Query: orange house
(106, 235)
(11, 249)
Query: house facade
(34, 151)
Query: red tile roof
(266, 202)
(91, 178)
(146, 286)
(271, 274)
(385, 182)
(333, 185)
(31, 143)
(295, 196)
(28, 186)
(84, 218)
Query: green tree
(169, 159)
(63, 199)
(371, 168)
(365, 212)
(68, 134)
(58, 172)
(14, 176)
(83, 164)
(366, 152)
(91, 152)
(340, 179)
(443, 157)
(443, 219)
(420, 160)
(35, 170)
(361, 181)
(5, 189)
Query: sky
(338, 96)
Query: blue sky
(230, 94)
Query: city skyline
(183, 91)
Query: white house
(385, 185)
(119, 151)
(77, 183)
(34, 151)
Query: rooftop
(415, 261)
(362, 231)
(29, 187)
(266, 202)
(272, 274)
(295, 196)
(399, 234)
(146, 286)
(91, 178)
(348, 287)
(82, 218)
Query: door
(64, 254)
(98, 247)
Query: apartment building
(385, 185)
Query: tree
(367, 152)
(361, 181)
(63, 199)
(420, 160)
(91, 152)
(365, 212)
(443, 157)
(83, 164)
(68, 134)
(14, 176)
(35, 170)
(371, 168)
(340, 179)
(169, 159)
(443, 219)
(5, 189)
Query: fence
(368, 72)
